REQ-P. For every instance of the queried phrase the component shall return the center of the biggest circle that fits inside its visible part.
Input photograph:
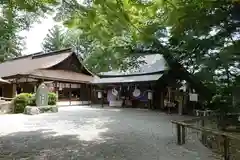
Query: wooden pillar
(35, 89)
(161, 100)
(14, 90)
(180, 104)
(2, 88)
(203, 133)
(70, 94)
(179, 136)
(102, 99)
(226, 148)
(90, 95)
(183, 139)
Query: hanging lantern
(150, 95)
(99, 95)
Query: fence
(204, 131)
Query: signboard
(193, 97)
(67, 85)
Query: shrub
(32, 100)
(24, 99)
(21, 101)
(52, 98)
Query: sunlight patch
(86, 129)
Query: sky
(36, 34)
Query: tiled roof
(127, 79)
(153, 63)
(29, 63)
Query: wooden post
(90, 95)
(14, 90)
(180, 104)
(203, 133)
(70, 95)
(226, 148)
(151, 106)
(179, 134)
(183, 135)
(102, 99)
(161, 100)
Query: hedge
(52, 98)
(21, 101)
(27, 99)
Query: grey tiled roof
(154, 63)
(127, 79)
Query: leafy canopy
(203, 35)
(55, 40)
(16, 16)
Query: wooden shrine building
(62, 71)
(157, 84)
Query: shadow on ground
(44, 145)
(41, 144)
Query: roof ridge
(39, 54)
(23, 56)
(43, 54)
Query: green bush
(27, 99)
(52, 98)
(21, 101)
(32, 100)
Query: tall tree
(206, 39)
(203, 35)
(16, 16)
(55, 40)
(111, 34)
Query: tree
(56, 39)
(111, 34)
(16, 16)
(201, 35)
(206, 39)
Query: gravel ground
(84, 133)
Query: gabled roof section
(154, 63)
(27, 64)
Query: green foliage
(27, 99)
(55, 40)
(202, 35)
(16, 16)
(106, 27)
(32, 100)
(52, 98)
(21, 101)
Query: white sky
(36, 34)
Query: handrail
(203, 129)
(181, 135)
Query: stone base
(6, 107)
(33, 110)
(73, 103)
(117, 103)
